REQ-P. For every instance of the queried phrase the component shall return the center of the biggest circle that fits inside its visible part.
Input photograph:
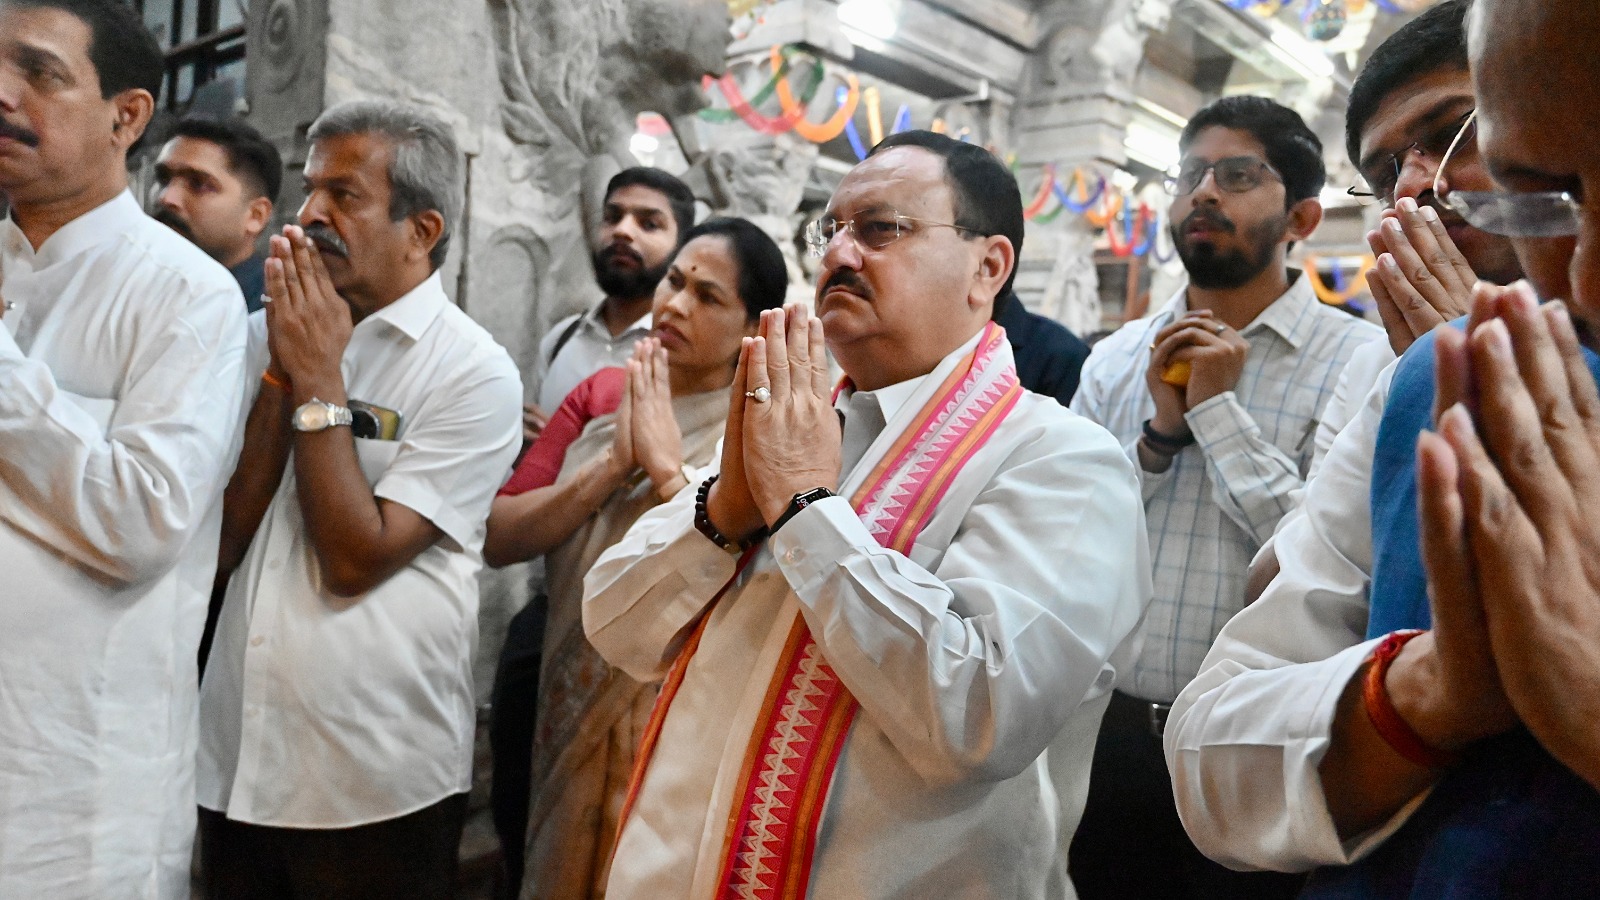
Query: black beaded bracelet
(702, 522)
(1165, 444)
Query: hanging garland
(827, 131)
(1336, 296)
(746, 110)
(1046, 183)
(1162, 257)
(1080, 187)
(1133, 225)
(1325, 20)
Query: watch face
(311, 417)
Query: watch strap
(798, 502)
(337, 415)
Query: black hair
(1292, 148)
(1435, 39)
(679, 198)
(763, 275)
(124, 53)
(987, 199)
(251, 157)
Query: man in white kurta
(121, 378)
(981, 660)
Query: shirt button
(275, 565)
(257, 641)
(793, 555)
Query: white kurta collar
(88, 230)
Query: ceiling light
(878, 19)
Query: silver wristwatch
(319, 415)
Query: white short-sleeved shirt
(121, 377)
(321, 712)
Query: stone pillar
(1074, 107)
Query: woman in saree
(591, 473)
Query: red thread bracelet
(276, 382)
(1394, 729)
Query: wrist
(321, 387)
(717, 523)
(1174, 427)
(725, 518)
(1404, 698)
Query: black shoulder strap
(566, 335)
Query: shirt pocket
(375, 457)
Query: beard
(1213, 269)
(627, 283)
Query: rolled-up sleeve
(1245, 739)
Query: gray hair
(425, 169)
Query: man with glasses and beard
(645, 212)
(1216, 398)
(1414, 709)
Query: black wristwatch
(798, 502)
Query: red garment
(595, 396)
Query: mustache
(327, 240)
(619, 249)
(18, 133)
(170, 219)
(848, 279)
(1211, 218)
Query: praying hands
(1508, 487)
(782, 435)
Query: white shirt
(1223, 496)
(590, 349)
(1244, 740)
(982, 664)
(121, 378)
(321, 712)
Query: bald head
(1537, 80)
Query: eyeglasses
(1235, 174)
(1384, 177)
(873, 230)
(1539, 214)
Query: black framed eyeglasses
(1378, 183)
(1536, 214)
(1233, 174)
(873, 230)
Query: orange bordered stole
(807, 713)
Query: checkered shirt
(1222, 496)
